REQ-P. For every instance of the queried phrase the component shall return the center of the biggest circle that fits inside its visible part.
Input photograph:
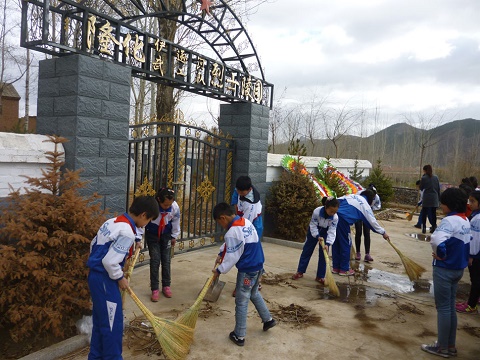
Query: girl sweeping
(470, 307)
(322, 225)
(351, 209)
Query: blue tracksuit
(108, 251)
(351, 209)
(321, 225)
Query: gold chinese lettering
(138, 50)
(258, 91)
(247, 88)
(158, 62)
(200, 71)
(181, 58)
(216, 76)
(105, 38)
(91, 30)
(232, 83)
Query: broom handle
(128, 272)
(325, 254)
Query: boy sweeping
(242, 249)
(108, 251)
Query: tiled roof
(9, 91)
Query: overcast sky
(400, 56)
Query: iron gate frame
(160, 153)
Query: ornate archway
(113, 31)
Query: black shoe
(417, 226)
(269, 324)
(236, 340)
(432, 228)
(424, 229)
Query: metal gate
(195, 162)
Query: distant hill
(450, 148)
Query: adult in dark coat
(431, 196)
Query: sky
(398, 56)
(395, 56)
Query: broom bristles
(413, 270)
(190, 316)
(329, 279)
(174, 338)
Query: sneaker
(167, 292)
(368, 258)
(269, 324)
(259, 287)
(346, 273)
(358, 256)
(297, 276)
(155, 295)
(320, 280)
(465, 308)
(418, 226)
(234, 292)
(432, 229)
(236, 339)
(335, 271)
(452, 352)
(435, 350)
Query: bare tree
(428, 123)
(313, 116)
(337, 122)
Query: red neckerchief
(462, 215)
(127, 219)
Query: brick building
(9, 104)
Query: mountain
(450, 148)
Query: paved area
(379, 314)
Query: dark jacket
(431, 191)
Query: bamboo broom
(190, 316)
(410, 215)
(414, 270)
(128, 271)
(174, 338)
(329, 279)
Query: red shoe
(346, 273)
(320, 280)
(297, 276)
(167, 292)
(155, 295)
(234, 292)
(335, 271)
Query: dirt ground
(379, 314)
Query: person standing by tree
(430, 185)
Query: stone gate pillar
(87, 101)
(248, 124)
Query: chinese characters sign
(149, 56)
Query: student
(418, 225)
(323, 225)
(360, 226)
(108, 251)
(246, 200)
(160, 235)
(242, 249)
(450, 244)
(470, 307)
(351, 209)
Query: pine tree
(297, 149)
(382, 183)
(44, 244)
(356, 174)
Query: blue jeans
(445, 283)
(247, 289)
(308, 248)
